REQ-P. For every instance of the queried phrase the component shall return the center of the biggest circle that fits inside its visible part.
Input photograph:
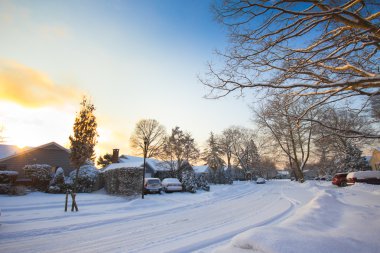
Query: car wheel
(343, 184)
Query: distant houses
(53, 154)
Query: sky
(135, 59)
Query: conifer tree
(212, 155)
(105, 160)
(84, 138)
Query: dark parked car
(340, 179)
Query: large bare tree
(327, 49)
(148, 137)
(293, 137)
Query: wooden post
(67, 199)
(74, 203)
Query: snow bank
(324, 224)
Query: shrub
(88, 179)
(188, 181)
(5, 188)
(40, 175)
(8, 176)
(202, 182)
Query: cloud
(31, 88)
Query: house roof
(44, 146)
(201, 169)
(8, 150)
(127, 161)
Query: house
(201, 169)
(374, 162)
(51, 153)
(152, 168)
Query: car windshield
(153, 181)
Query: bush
(188, 181)
(202, 182)
(17, 190)
(40, 175)
(5, 188)
(88, 179)
(8, 176)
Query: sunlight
(31, 127)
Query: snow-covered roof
(8, 150)
(201, 169)
(283, 172)
(29, 149)
(127, 161)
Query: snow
(364, 174)
(8, 172)
(136, 162)
(279, 216)
(201, 169)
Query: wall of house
(51, 155)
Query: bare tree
(293, 137)
(148, 137)
(226, 141)
(325, 49)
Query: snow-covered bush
(40, 175)
(202, 182)
(8, 176)
(5, 188)
(58, 184)
(188, 181)
(88, 178)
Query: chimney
(115, 155)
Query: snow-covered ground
(280, 216)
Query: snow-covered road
(177, 222)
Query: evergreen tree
(178, 149)
(84, 138)
(212, 154)
(351, 159)
(105, 160)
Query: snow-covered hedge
(88, 178)
(8, 176)
(40, 175)
(123, 181)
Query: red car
(340, 179)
